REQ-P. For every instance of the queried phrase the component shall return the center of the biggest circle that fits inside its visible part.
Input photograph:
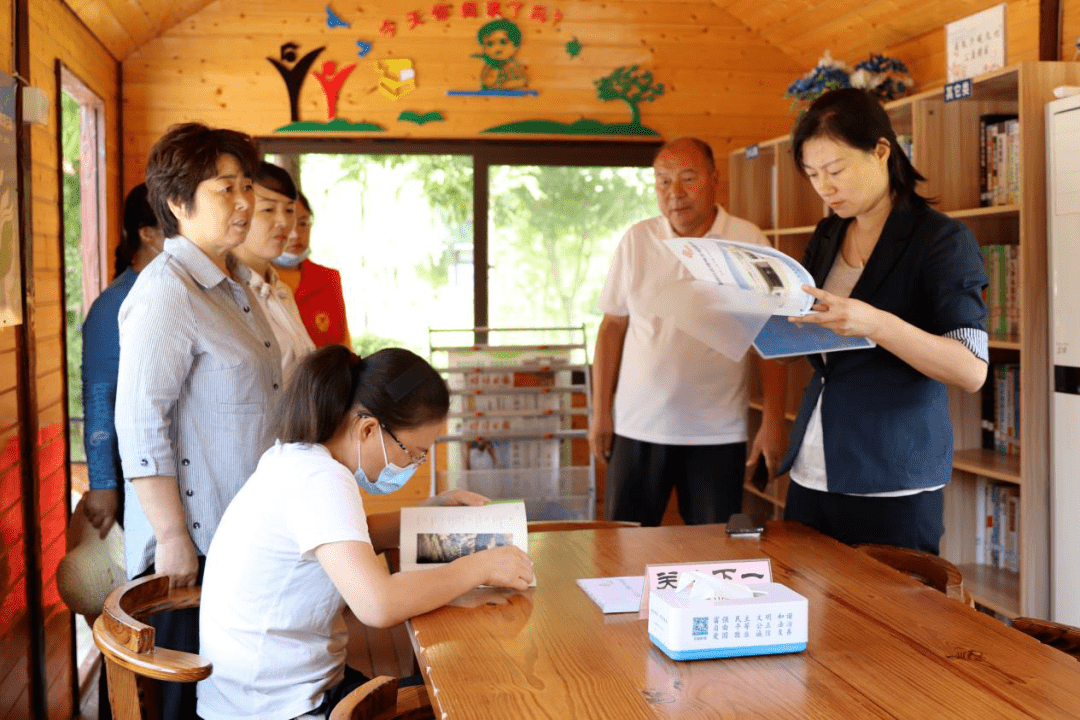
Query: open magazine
(432, 536)
(742, 295)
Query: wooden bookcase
(769, 191)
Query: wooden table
(881, 645)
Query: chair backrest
(1065, 638)
(928, 569)
(134, 665)
(381, 699)
(549, 525)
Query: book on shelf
(999, 159)
(614, 594)
(742, 295)
(1002, 295)
(432, 536)
(997, 511)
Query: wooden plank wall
(14, 620)
(722, 81)
(925, 53)
(1070, 29)
(55, 32)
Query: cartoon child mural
(331, 79)
(500, 40)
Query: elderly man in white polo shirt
(670, 411)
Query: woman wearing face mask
(295, 547)
(871, 448)
(317, 289)
(271, 224)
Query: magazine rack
(520, 403)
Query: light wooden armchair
(928, 569)
(133, 663)
(1065, 638)
(382, 699)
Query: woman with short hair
(199, 367)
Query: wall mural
(502, 72)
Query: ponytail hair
(399, 388)
(137, 215)
(851, 116)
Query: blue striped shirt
(199, 369)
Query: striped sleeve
(974, 339)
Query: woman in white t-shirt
(295, 547)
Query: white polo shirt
(672, 389)
(271, 620)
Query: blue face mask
(289, 260)
(390, 479)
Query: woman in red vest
(317, 289)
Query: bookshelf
(770, 192)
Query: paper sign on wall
(975, 44)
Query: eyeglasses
(415, 459)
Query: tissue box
(768, 624)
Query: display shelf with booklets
(945, 138)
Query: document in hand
(431, 536)
(742, 295)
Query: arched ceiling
(851, 29)
(124, 25)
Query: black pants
(911, 521)
(640, 477)
(177, 630)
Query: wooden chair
(381, 699)
(550, 525)
(1065, 638)
(928, 569)
(133, 664)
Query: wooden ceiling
(851, 29)
(124, 25)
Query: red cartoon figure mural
(331, 80)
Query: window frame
(484, 154)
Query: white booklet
(615, 594)
(742, 295)
(431, 536)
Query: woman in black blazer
(871, 448)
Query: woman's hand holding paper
(842, 315)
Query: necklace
(855, 250)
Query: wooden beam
(26, 388)
(1050, 29)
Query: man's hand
(100, 507)
(601, 435)
(768, 442)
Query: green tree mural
(632, 86)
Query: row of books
(1001, 409)
(997, 512)
(1002, 295)
(999, 160)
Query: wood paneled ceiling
(124, 25)
(851, 29)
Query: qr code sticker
(701, 626)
